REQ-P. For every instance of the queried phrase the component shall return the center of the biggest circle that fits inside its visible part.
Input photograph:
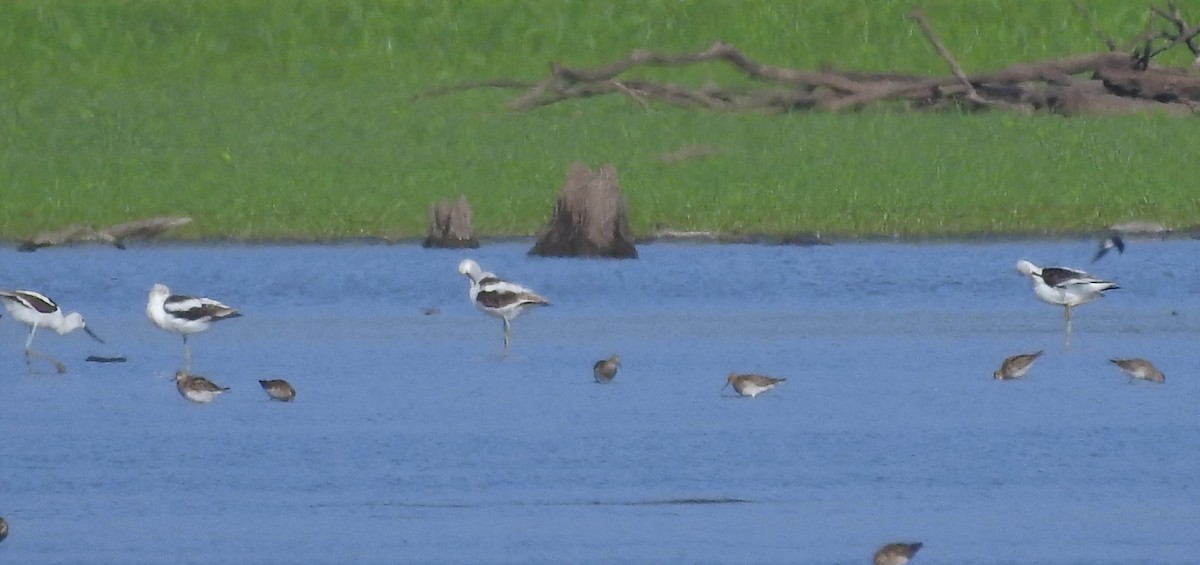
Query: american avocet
(278, 389)
(897, 553)
(498, 298)
(1064, 287)
(751, 385)
(605, 369)
(36, 310)
(1111, 241)
(1016, 366)
(185, 315)
(197, 388)
(1139, 369)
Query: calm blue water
(412, 440)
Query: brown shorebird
(197, 388)
(1016, 366)
(605, 369)
(3, 529)
(751, 385)
(1139, 369)
(896, 553)
(498, 298)
(278, 389)
(117, 234)
(1064, 287)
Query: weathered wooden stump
(450, 225)
(589, 218)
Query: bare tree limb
(1091, 18)
(944, 53)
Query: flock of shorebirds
(1060, 286)
(186, 315)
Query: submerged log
(589, 218)
(450, 225)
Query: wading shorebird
(1139, 369)
(1064, 287)
(605, 369)
(38, 311)
(896, 553)
(278, 389)
(3, 529)
(498, 298)
(751, 385)
(1016, 366)
(197, 388)
(185, 315)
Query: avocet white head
(185, 315)
(1063, 286)
(36, 310)
(498, 298)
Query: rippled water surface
(412, 440)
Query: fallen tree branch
(1090, 82)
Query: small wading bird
(751, 385)
(1139, 369)
(37, 311)
(197, 388)
(3, 529)
(278, 389)
(185, 315)
(1064, 287)
(896, 553)
(498, 298)
(1016, 366)
(605, 369)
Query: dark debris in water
(102, 359)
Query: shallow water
(412, 440)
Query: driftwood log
(450, 225)
(589, 218)
(1119, 80)
(115, 235)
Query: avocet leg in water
(185, 315)
(498, 298)
(37, 311)
(1064, 287)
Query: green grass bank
(297, 120)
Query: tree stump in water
(589, 218)
(450, 225)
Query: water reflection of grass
(296, 120)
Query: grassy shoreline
(303, 127)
